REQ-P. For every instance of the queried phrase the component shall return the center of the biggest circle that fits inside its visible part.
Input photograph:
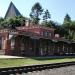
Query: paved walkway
(6, 56)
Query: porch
(28, 46)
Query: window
(45, 33)
(12, 44)
(0, 43)
(49, 34)
(22, 46)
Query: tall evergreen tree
(67, 24)
(36, 11)
(72, 30)
(67, 19)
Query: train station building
(32, 40)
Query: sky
(57, 8)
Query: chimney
(27, 23)
(57, 35)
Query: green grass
(31, 61)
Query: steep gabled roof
(12, 11)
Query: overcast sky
(57, 8)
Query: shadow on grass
(51, 58)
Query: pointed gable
(12, 11)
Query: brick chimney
(27, 23)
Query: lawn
(32, 61)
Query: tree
(1, 20)
(67, 19)
(46, 15)
(13, 22)
(46, 24)
(50, 24)
(58, 28)
(61, 31)
(72, 34)
(16, 21)
(36, 11)
(67, 24)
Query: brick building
(32, 40)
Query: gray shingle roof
(12, 11)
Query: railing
(25, 69)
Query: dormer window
(45, 33)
